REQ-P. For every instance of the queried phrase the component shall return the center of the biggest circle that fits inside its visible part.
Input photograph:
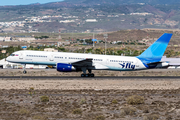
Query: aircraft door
(21, 55)
(65, 59)
(136, 64)
(107, 61)
(51, 57)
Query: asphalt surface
(97, 77)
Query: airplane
(74, 62)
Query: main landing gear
(24, 69)
(87, 75)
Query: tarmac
(90, 78)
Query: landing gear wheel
(24, 71)
(83, 75)
(87, 75)
(91, 75)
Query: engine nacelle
(162, 65)
(62, 67)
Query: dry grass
(65, 104)
(83, 101)
(44, 99)
(100, 117)
(77, 111)
(146, 110)
(135, 100)
(31, 88)
(169, 118)
(128, 111)
(40, 117)
(114, 101)
(151, 117)
(24, 111)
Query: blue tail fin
(155, 52)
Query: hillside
(90, 16)
(120, 2)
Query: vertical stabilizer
(155, 52)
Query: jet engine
(62, 67)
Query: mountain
(121, 2)
(70, 3)
(72, 15)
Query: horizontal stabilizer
(154, 63)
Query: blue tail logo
(155, 52)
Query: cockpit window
(12, 54)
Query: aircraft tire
(87, 75)
(24, 71)
(83, 75)
(91, 75)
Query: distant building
(173, 62)
(3, 51)
(50, 50)
(24, 47)
(91, 20)
(2, 38)
(5, 46)
(63, 43)
(8, 38)
(143, 14)
(25, 38)
(115, 42)
(67, 21)
(5, 39)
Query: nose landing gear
(24, 69)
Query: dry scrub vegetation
(89, 104)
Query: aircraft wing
(83, 63)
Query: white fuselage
(100, 62)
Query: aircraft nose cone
(7, 59)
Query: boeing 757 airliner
(69, 62)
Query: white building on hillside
(67, 21)
(6, 39)
(26, 38)
(50, 50)
(91, 20)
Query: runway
(85, 78)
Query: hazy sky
(24, 2)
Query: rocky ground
(133, 99)
(32, 104)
